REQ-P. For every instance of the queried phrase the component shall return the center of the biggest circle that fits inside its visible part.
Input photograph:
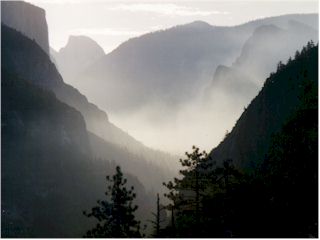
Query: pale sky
(112, 22)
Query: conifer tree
(185, 193)
(158, 220)
(116, 214)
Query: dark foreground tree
(115, 215)
(186, 193)
(159, 219)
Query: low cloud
(105, 31)
(164, 9)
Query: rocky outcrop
(79, 53)
(27, 19)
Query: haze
(173, 129)
(112, 22)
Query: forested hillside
(262, 180)
(249, 140)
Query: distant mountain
(170, 66)
(260, 54)
(235, 83)
(256, 57)
(52, 168)
(281, 95)
(79, 53)
(28, 19)
(48, 172)
(16, 48)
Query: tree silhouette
(158, 218)
(116, 214)
(185, 193)
(278, 196)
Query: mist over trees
(276, 198)
(115, 215)
(69, 171)
(169, 77)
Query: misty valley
(196, 130)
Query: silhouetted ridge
(79, 53)
(28, 19)
(173, 66)
(198, 25)
(249, 140)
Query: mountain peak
(199, 24)
(82, 42)
(23, 17)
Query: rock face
(79, 53)
(27, 19)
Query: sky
(110, 23)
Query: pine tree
(185, 194)
(116, 214)
(158, 219)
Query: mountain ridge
(25, 17)
(178, 53)
(267, 112)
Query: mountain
(28, 19)
(171, 66)
(44, 157)
(260, 54)
(48, 173)
(52, 169)
(278, 100)
(269, 39)
(234, 82)
(79, 53)
(53, 56)
(278, 136)
(16, 48)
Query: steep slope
(44, 157)
(28, 19)
(133, 163)
(270, 44)
(279, 98)
(79, 53)
(170, 66)
(260, 55)
(39, 68)
(53, 56)
(234, 83)
(49, 171)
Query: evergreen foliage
(159, 219)
(186, 193)
(116, 214)
(278, 198)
